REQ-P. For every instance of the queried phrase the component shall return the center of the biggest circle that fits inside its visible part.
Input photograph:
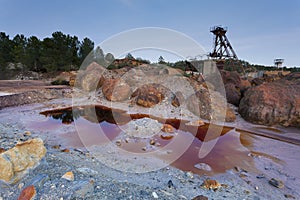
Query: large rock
(15, 162)
(151, 94)
(210, 106)
(200, 104)
(92, 78)
(233, 94)
(230, 77)
(271, 103)
(116, 90)
(232, 82)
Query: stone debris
(276, 183)
(170, 184)
(28, 193)
(154, 194)
(211, 184)
(27, 133)
(168, 128)
(189, 174)
(200, 197)
(68, 176)
(289, 196)
(87, 171)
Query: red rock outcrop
(272, 103)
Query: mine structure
(278, 62)
(222, 48)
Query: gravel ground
(95, 180)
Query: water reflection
(231, 150)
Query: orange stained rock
(68, 176)
(168, 128)
(28, 193)
(211, 184)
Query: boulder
(116, 90)
(272, 103)
(244, 85)
(92, 78)
(232, 82)
(15, 162)
(210, 106)
(233, 94)
(149, 95)
(230, 77)
(200, 104)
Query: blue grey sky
(259, 30)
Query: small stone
(276, 183)
(238, 169)
(21, 185)
(243, 175)
(211, 184)
(246, 191)
(154, 195)
(28, 193)
(200, 197)
(166, 136)
(56, 146)
(118, 142)
(152, 142)
(68, 176)
(289, 196)
(256, 188)
(27, 133)
(144, 148)
(168, 128)
(87, 171)
(189, 174)
(66, 150)
(127, 140)
(170, 184)
(260, 176)
(203, 166)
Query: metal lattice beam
(222, 47)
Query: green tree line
(60, 52)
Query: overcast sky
(259, 30)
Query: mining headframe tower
(222, 50)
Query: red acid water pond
(231, 149)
